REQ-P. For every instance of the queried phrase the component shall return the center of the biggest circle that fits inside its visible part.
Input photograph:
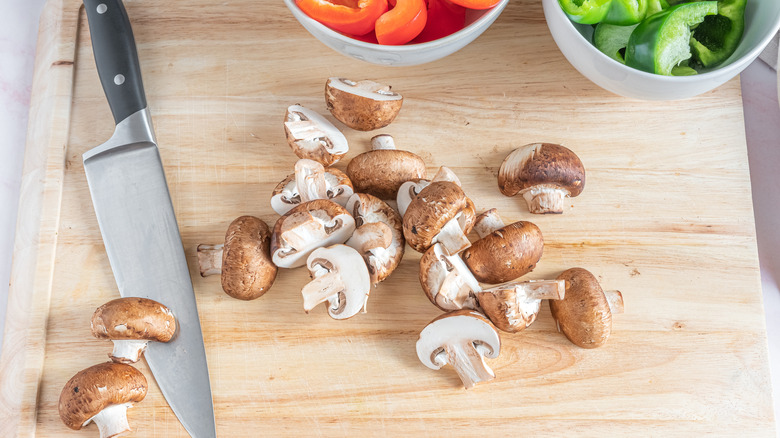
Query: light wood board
(666, 217)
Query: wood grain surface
(666, 217)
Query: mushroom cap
(551, 165)
(460, 325)
(381, 172)
(133, 318)
(362, 105)
(247, 269)
(313, 137)
(93, 389)
(348, 264)
(306, 227)
(368, 209)
(505, 254)
(583, 314)
(435, 266)
(434, 206)
(286, 194)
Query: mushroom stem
(488, 222)
(322, 288)
(112, 421)
(455, 290)
(615, 301)
(543, 200)
(310, 179)
(446, 174)
(382, 141)
(543, 289)
(452, 238)
(371, 236)
(127, 350)
(210, 259)
(468, 363)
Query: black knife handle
(116, 57)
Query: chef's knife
(136, 218)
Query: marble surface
(18, 33)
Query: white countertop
(18, 33)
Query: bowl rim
(491, 13)
(731, 69)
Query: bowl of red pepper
(396, 32)
(661, 49)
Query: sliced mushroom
(503, 252)
(544, 173)
(585, 314)
(379, 236)
(410, 189)
(382, 170)
(131, 323)
(311, 181)
(513, 307)
(102, 394)
(244, 260)
(447, 281)
(442, 213)
(309, 226)
(362, 105)
(313, 137)
(340, 278)
(462, 339)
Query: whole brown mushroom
(382, 170)
(362, 105)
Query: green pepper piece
(683, 70)
(585, 11)
(718, 36)
(663, 41)
(626, 12)
(656, 6)
(612, 40)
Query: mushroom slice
(313, 137)
(244, 260)
(544, 174)
(362, 105)
(379, 237)
(442, 213)
(503, 252)
(340, 277)
(382, 170)
(462, 339)
(131, 323)
(410, 189)
(102, 394)
(309, 182)
(585, 314)
(514, 306)
(309, 226)
(447, 281)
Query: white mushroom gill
(369, 89)
(111, 421)
(407, 192)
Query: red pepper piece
(402, 23)
(354, 17)
(444, 18)
(477, 4)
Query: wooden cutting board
(666, 218)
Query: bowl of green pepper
(661, 49)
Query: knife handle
(116, 57)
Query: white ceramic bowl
(762, 20)
(410, 54)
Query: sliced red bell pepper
(477, 4)
(354, 17)
(402, 23)
(444, 18)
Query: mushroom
(513, 307)
(131, 323)
(462, 339)
(340, 277)
(442, 213)
(313, 137)
(410, 189)
(382, 170)
(544, 174)
(447, 281)
(379, 236)
(306, 227)
(244, 260)
(362, 105)
(102, 394)
(309, 182)
(585, 314)
(503, 252)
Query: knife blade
(136, 218)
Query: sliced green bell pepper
(718, 36)
(656, 6)
(663, 41)
(586, 11)
(612, 40)
(626, 12)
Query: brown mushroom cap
(434, 206)
(381, 172)
(97, 387)
(583, 315)
(505, 254)
(247, 269)
(133, 318)
(541, 164)
(362, 105)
